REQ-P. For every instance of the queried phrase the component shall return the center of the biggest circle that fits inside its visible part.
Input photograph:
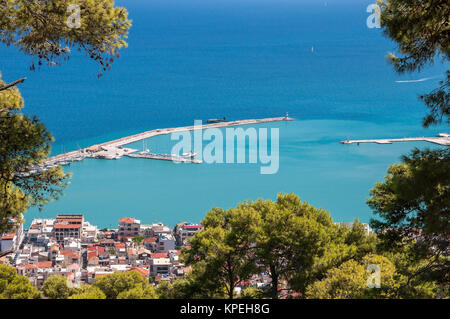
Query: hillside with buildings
(70, 246)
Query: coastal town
(70, 246)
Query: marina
(115, 149)
(441, 139)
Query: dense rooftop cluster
(72, 247)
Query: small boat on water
(189, 154)
(210, 121)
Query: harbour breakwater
(115, 149)
(440, 139)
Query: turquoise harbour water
(312, 164)
(201, 59)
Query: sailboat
(189, 154)
(144, 149)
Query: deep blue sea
(199, 59)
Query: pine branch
(12, 84)
(5, 253)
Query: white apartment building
(160, 266)
(160, 229)
(165, 243)
(89, 233)
(186, 231)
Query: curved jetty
(441, 139)
(114, 149)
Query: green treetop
(55, 287)
(13, 286)
(139, 292)
(353, 280)
(114, 284)
(48, 30)
(413, 204)
(221, 254)
(292, 241)
(87, 292)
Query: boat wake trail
(419, 80)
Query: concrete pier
(141, 136)
(441, 139)
(114, 149)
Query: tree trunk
(274, 288)
(230, 279)
(230, 292)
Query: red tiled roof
(107, 241)
(8, 236)
(30, 266)
(77, 220)
(66, 226)
(94, 148)
(92, 255)
(192, 226)
(150, 240)
(70, 253)
(127, 220)
(44, 264)
(120, 245)
(159, 255)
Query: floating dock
(441, 139)
(114, 149)
(166, 157)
